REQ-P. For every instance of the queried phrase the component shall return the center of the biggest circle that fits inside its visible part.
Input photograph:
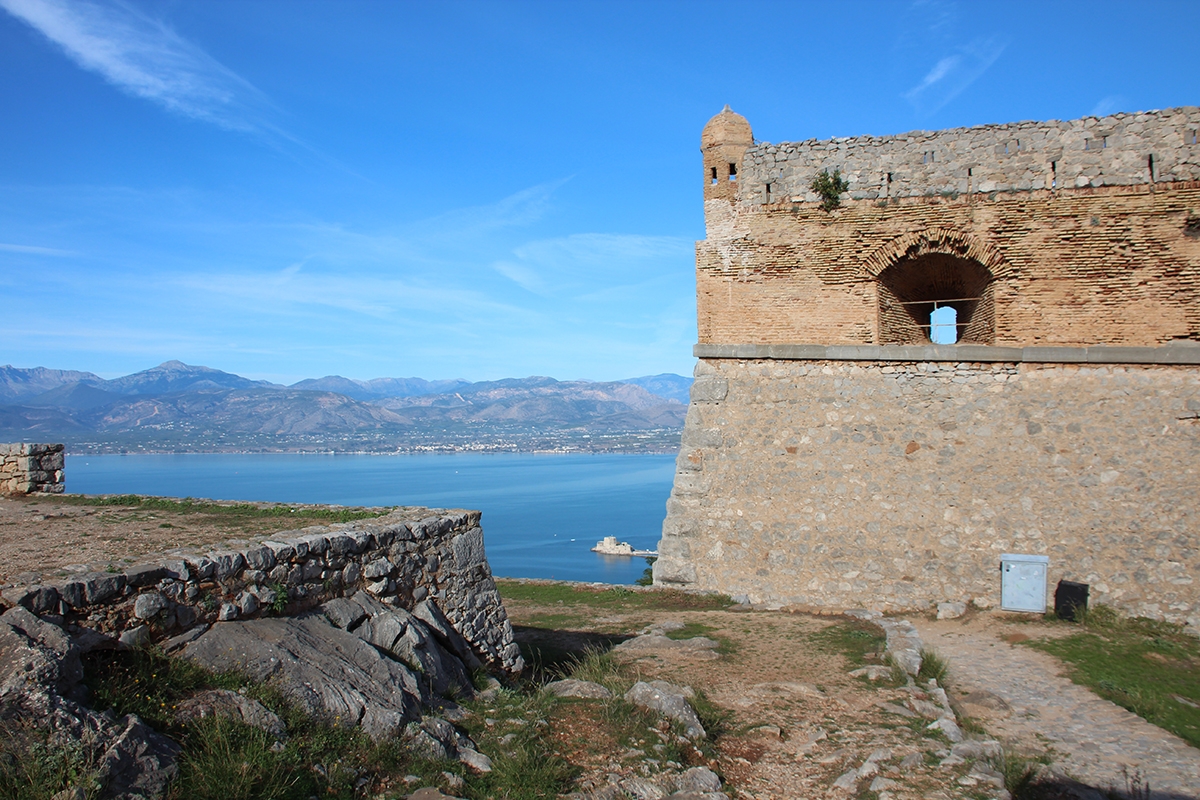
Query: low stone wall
(897, 485)
(401, 559)
(27, 468)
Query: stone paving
(1093, 740)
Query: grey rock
(226, 703)
(474, 759)
(698, 779)
(322, 668)
(440, 626)
(148, 605)
(978, 749)
(228, 612)
(344, 613)
(138, 636)
(641, 789)
(145, 574)
(35, 664)
(669, 701)
(951, 610)
(570, 687)
(247, 602)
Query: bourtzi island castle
(834, 457)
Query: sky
(289, 189)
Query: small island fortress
(609, 546)
(833, 456)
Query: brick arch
(936, 240)
(917, 272)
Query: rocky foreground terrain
(627, 693)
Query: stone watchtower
(834, 456)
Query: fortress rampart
(408, 559)
(834, 456)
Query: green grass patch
(34, 768)
(933, 666)
(1148, 667)
(226, 510)
(858, 640)
(614, 598)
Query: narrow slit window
(1150, 166)
(1053, 174)
(714, 176)
(768, 192)
(733, 172)
(1190, 137)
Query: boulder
(322, 668)
(226, 703)
(670, 701)
(39, 665)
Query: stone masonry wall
(896, 485)
(28, 468)
(403, 559)
(1119, 150)
(1079, 267)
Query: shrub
(830, 188)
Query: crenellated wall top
(1119, 150)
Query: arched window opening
(919, 292)
(943, 327)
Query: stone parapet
(1184, 352)
(402, 559)
(27, 468)
(1119, 150)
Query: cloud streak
(952, 74)
(145, 58)
(35, 251)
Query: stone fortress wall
(834, 457)
(411, 559)
(1119, 150)
(28, 468)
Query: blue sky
(476, 190)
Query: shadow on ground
(550, 653)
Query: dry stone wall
(898, 485)
(406, 559)
(27, 468)
(1118, 150)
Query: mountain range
(179, 407)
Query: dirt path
(1093, 740)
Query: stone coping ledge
(1184, 353)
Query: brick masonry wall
(27, 468)
(407, 558)
(896, 485)
(1118, 150)
(1110, 265)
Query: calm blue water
(541, 513)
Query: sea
(542, 513)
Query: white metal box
(1023, 582)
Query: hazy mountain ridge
(177, 406)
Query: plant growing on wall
(829, 188)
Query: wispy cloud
(35, 251)
(1108, 105)
(954, 73)
(146, 58)
(597, 261)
